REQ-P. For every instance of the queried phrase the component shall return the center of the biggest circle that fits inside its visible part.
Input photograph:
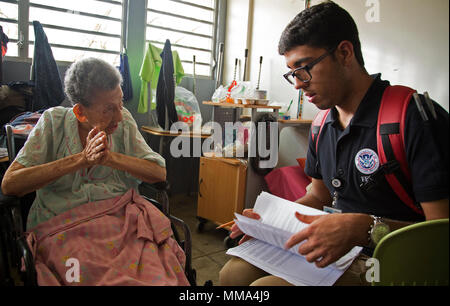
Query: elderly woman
(93, 152)
(86, 153)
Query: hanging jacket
(149, 74)
(127, 87)
(165, 91)
(45, 74)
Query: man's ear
(345, 52)
(78, 111)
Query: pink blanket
(120, 241)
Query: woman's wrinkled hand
(96, 150)
(236, 232)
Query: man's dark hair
(321, 26)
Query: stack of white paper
(266, 251)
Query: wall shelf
(234, 105)
(296, 122)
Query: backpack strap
(317, 125)
(391, 142)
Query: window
(74, 29)
(9, 20)
(190, 27)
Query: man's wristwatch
(378, 229)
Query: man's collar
(366, 114)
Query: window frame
(213, 37)
(12, 21)
(24, 23)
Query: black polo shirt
(426, 151)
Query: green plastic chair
(416, 255)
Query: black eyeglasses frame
(307, 68)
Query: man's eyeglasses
(303, 73)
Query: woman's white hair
(88, 75)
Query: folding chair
(416, 255)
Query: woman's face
(105, 110)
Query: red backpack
(390, 141)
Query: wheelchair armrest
(28, 262)
(10, 206)
(186, 232)
(11, 218)
(187, 245)
(161, 186)
(7, 201)
(158, 193)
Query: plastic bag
(187, 107)
(219, 95)
(243, 90)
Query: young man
(322, 48)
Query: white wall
(270, 17)
(269, 20)
(409, 46)
(236, 36)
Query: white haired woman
(90, 152)
(85, 164)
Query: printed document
(266, 251)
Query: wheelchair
(15, 252)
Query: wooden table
(159, 132)
(165, 137)
(296, 122)
(238, 108)
(234, 105)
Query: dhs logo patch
(367, 161)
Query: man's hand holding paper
(282, 229)
(236, 232)
(327, 238)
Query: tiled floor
(208, 249)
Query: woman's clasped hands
(96, 151)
